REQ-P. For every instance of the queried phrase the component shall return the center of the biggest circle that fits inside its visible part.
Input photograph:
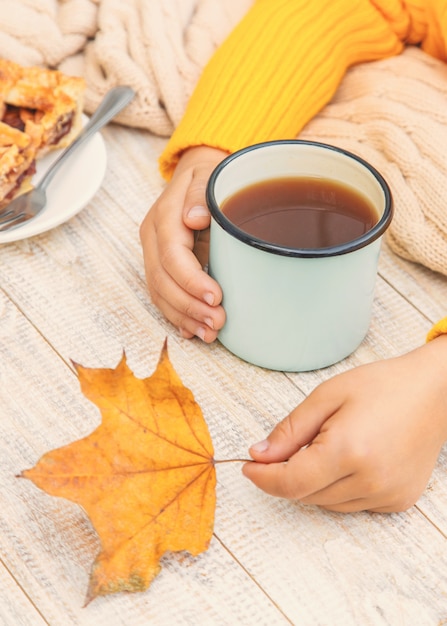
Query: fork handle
(112, 103)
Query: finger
(363, 504)
(196, 214)
(330, 481)
(337, 493)
(354, 494)
(195, 210)
(351, 506)
(175, 299)
(188, 326)
(308, 471)
(348, 494)
(169, 243)
(178, 260)
(182, 309)
(202, 246)
(185, 333)
(341, 496)
(360, 490)
(172, 270)
(300, 427)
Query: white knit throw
(158, 47)
(391, 112)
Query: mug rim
(350, 246)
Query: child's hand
(373, 436)
(188, 297)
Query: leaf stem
(232, 461)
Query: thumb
(195, 212)
(297, 429)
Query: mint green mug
(294, 308)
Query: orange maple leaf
(145, 476)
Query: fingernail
(261, 446)
(209, 298)
(200, 333)
(198, 211)
(209, 322)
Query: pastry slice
(17, 162)
(41, 102)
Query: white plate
(70, 190)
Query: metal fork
(30, 204)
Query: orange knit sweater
(284, 61)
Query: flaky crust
(40, 110)
(17, 162)
(48, 99)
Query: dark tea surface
(301, 212)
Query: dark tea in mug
(301, 212)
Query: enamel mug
(294, 309)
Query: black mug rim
(350, 246)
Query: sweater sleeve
(279, 66)
(285, 60)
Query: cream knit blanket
(391, 112)
(158, 47)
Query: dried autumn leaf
(145, 476)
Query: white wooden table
(78, 293)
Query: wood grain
(79, 293)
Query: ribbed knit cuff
(440, 328)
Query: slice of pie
(47, 100)
(17, 162)
(40, 110)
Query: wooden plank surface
(78, 292)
